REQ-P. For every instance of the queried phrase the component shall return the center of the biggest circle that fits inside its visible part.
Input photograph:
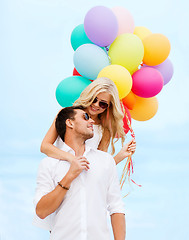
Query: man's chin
(90, 135)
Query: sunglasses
(101, 104)
(86, 116)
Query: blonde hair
(111, 120)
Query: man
(79, 194)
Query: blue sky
(36, 55)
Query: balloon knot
(106, 48)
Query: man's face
(83, 124)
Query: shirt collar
(66, 148)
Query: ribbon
(128, 168)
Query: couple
(80, 191)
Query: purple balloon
(166, 70)
(101, 25)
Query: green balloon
(79, 37)
(69, 90)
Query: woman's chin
(92, 111)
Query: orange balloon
(144, 109)
(156, 49)
(130, 100)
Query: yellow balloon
(127, 50)
(144, 108)
(142, 32)
(120, 76)
(156, 49)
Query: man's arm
(118, 226)
(115, 203)
(52, 200)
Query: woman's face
(97, 106)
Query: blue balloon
(89, 60)
(69, 90)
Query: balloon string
(128, 168)
(106, 48)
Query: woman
(101, 101)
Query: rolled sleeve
(44, 180)
(114, 198)
(45, 185)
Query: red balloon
(75, 73)
(125, 125)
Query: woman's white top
(92, 142)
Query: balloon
(142, 32)
(101, 25)
(125, 125)
(89, 60)
(125, 20)
(79, 37)
(120, 76)
(75, 73)
(129, 101)
(156, 49)
(166, 70)
(144, 109)
(70, 89)
(147, 82)
(127, 50)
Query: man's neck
(78, 145)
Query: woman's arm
(50, 150)
(127, 150)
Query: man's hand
(78, 164)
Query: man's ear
(69, 123)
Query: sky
(36, 55)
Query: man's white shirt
(83, 212)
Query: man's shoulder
(48, 162)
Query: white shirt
(83, 212)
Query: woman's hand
(126, 151)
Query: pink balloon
(166, 69)
(125, 20)
(147, 82)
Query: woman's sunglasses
(101, 104)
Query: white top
(83, 212)
(92, 142)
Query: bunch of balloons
(109, 45)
